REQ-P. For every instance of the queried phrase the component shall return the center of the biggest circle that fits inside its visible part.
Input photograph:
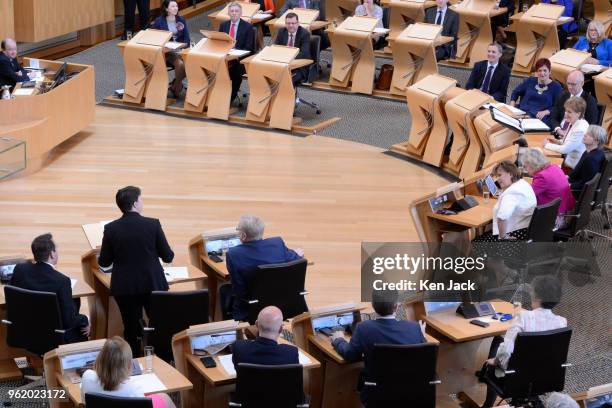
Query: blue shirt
(603, 50)
(182, 36)
(531, 101)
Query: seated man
(305, 4)
(546, 295)
(265, 348)
(244, 39)
(384, 330)
(11, 71)
(575, 83)
(293, 35)
(491, 76)
(42, 276)
(242, 260)
(449, 20)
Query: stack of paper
(175, 272)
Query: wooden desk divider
(353, 55)
(272, 92)
(145, 69)
(429, 129)
(566, 61)
(536, 36)
(466, 151)
(414, 56)
(210, 86)
(496, 140)
(474, 34)
(248, 11)
(603, 88)
(305, 16)
(402, 13)
(339, 10)
(603, 14)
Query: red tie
(232, 31)
(290, 43)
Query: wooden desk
(475, 217)
(105, 317)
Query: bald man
(265, 348)
(575, 81)
(11, 71)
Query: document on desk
(260, 15)
(73, 283)
(23, 92)
(175, 272)
(148, 383)
(381, 30)
(228, 364)
(238, 53)
(533, 125)
(173, 45)
(590, 68)
(564, 19)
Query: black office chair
(105, 401)
(537, 366)
(403, 375)
(254, 382)
(601, 194)
(280, 285)
(579, 218)
(542, 224)
(170, 313)
(314, 70)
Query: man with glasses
(575, 82)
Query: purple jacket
(551, 183)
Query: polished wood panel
(38, 20)
(322, 194)
(7, 23)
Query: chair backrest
(269, 385)
(255, 44)
(105, 401)
(172, 312)
(577, 12)
(315, 53)
(601, 110)
(280, 285)
(605, 181)
(404, 375)
(36, 332)
(537, 364)
(584, 205)
(542, 222)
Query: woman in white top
(546, 295)
(572, 130)
(111, 374)
(369, 9)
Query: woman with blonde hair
(111, 374)
(570, 140)
(597, 44)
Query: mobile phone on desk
(208, 362)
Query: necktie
(232, 32)
(487, 80)
(439, 18)
(302, 3)
(290, 42)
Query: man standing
(449, 20)
(244, 39)
(293, 35)
(242, 260)
(132, 245)
(130, 14)
(575, 81)
(42, 276)
(490, 76)
(11, 71)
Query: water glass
(525, 7)
(128, 35)
(192, 44)
(516, 308)
(148, 355)
(486, 195)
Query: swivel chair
(253, 382)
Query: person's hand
(491, 361)
(19, 73)
(540, 115)
(337, 335)
(300, 252)
(512, 103)
(592, 60)
(423, 326)
(86, 330)
(180, 26)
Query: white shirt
(527, 321)
(442, 16)
(91, 384)
(572, 146)
(515, 206)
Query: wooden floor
(321, 194)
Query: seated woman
(591, 160)
(596, 43)
(369, 9)
(514, 207)
(549, 181)
(177, 25)
(546, 295)
(537, 94)
(111, 373)
(565, 29)
(570, 142)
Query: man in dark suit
(130, 14)
(305, 4)
(491, 76)
(575, 82)
(42, 276)
(132, 245)
(244, 37)
(384, 330)
(293, 35)
(265, 348)
(11, 71)
(449, 19)
(242, 260)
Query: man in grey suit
(449, 20)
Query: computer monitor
(201, 343)
(221, 245)
(60, 75)
(491, 186)
(334, 320)
(6, 271)
(432, 307)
